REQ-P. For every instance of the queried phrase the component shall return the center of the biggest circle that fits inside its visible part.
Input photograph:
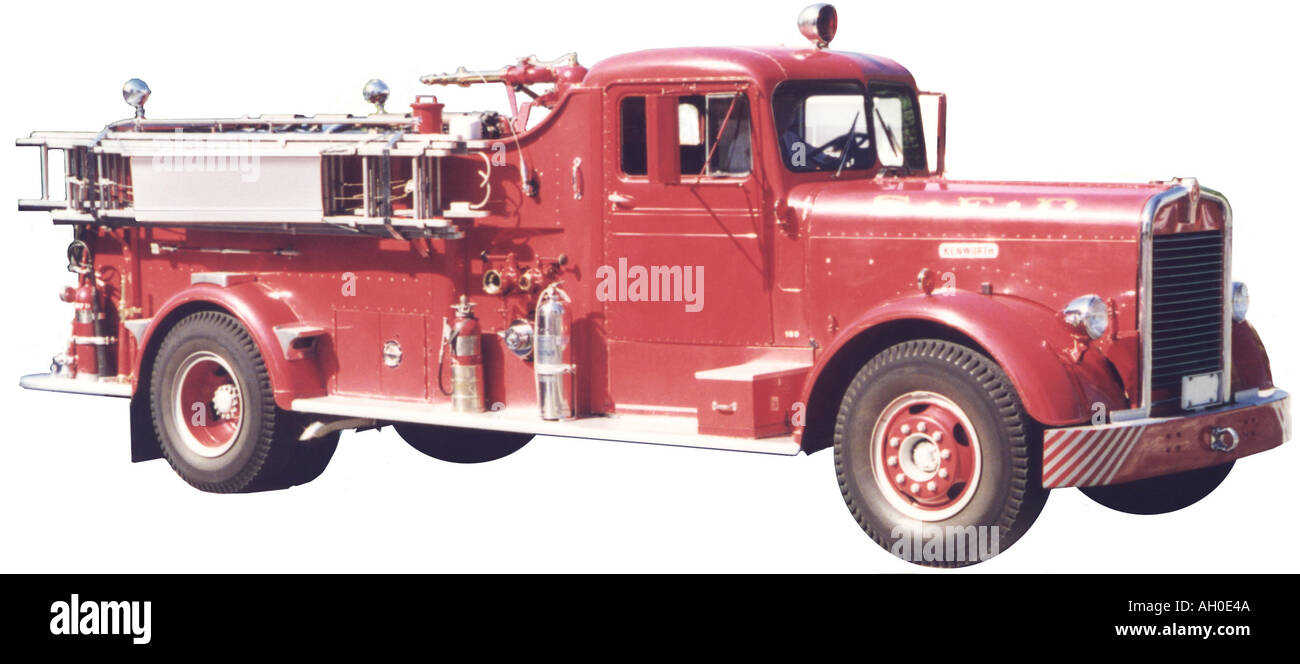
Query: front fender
(1250, 365)
(1029, 341)
(258, 308)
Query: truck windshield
(830, 126)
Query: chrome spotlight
(818, 23)
(375, 92)
(136, 92)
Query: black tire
(1160, 495)
(459, 445)
(1000, 459)
(265, 443)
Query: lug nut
(943, 473)
(938, 436)
(893, 461)
(930, 485)
(905, 429)
(916, 488)
(920, 426)
(900, 478)
(945, 454)
(893, 442)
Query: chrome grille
(1187, 308)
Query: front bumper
(1139, 449)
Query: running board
(648, 429)
(52, 383)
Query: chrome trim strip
(222, 279)
(52, 383)
(671, 430)
(287, 334)
(320, 429)
(137, 327)
(1149, 212)
(1257, 399)
(1225, 385)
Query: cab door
(683, 206)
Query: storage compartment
(752, 400)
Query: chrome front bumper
(1150, 447)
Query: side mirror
(935, 104)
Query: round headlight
(1240, 301)
(1089, 314)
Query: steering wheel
(853, 140)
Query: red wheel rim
(208, 410)
(925, 456)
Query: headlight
(1088, 313)
(1240, 301)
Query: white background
(1074, 91)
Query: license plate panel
(1202, 390)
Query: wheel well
(824, 400)
(144, 440)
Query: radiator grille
(1187, 309)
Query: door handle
(577, 178)
(621, 200)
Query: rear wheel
(459, 445)
(213, 410)
(935, 456)
(1160, 495)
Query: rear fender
(260, 310)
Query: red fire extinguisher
(464, 337)
(88, 351)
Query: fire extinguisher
(464, 338)
(88, 352)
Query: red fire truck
(750, 249)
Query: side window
(631, 115)
(690, 124)
(703, 120)
(897, 127)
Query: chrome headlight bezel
(1089, 314)
(1240, 301)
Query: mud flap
(145, 445)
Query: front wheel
(1160, 495)
(459, 445)
(935, 456)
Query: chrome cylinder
(465, 382)
(553, 356)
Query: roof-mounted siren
(136, 92)
(818, 23)
(375, 92)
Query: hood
(972, 208)
(1042, 242)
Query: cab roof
(767, 66)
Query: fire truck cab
(753, 249)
